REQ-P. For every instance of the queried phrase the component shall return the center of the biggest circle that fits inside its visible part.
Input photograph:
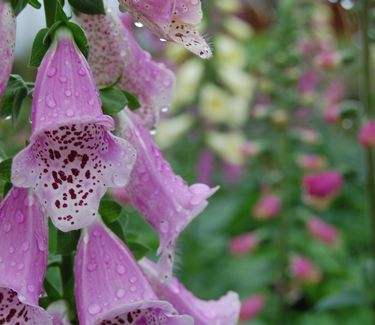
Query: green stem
(50, 11)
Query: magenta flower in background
(7, 40)
(114, 54)
(72, 157)
(205, 166)
(332, 114)
(110, 286)
(325, 184)
(308, 81)
(311, 162)
(328, 59)
(163, 198)
(243, 244)
(224, 311)
(322, 231)
(367, 134)
(267, 207)
(251, 307)
(23, 259)
(171, 20)
(335, 92)
(233, 173)
(305, 271)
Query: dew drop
(133, 279)
(92, 267)
(94, 309)
(51, 72)
(163, 40)
(133, 288)
(81, 71)
(11, 249)
(30, 288)
(7, 227)
(120, 293)
(51, 103)
(25, 246)
(138, 24)
(19, 217)
(69, 113)
(120, 269)
(68, 93)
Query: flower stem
(50, 11)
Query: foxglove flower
(171, 20)
(23, 259)
(322, 231)
(112, 289)
(224, 311)
(251, 307)
(243, 244)
(7, 39)
(163, 198)
(311, 161)
(114, 54)
(72, 157)
(367, 134)
(305, 271)
(268, 207)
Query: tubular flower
(23, 259)
(322, 231)
(224, 311)
(163, 198)
(367, 134)
(112, 289)
(267, 207)
(114, 54)
(72, 157)
(251, 307)
(305, 271)
(7, 39)
(172, 20)
(243, 244)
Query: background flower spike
(115, 53)
(23, 259)
(112, 289)
(172, 20)
(163, 198)
(7, 40)
(72, 157)
(224, 311)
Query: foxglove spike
(163, 198)
(224, 311)
(114, 53)
(72, 157)
(23, 259)
(7, 40)
(112, 289)
(172, 20)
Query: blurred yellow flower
(229, 52)
(228, 6)
(237, 28)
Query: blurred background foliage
(279, 100)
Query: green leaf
(35, 3)
(5, 170)
(39, 48)
(7, 187)
(18, 5)
(133, 102)
(53, 283)
(346, 298)
(117, 229)
(139, 250)
(67, 242)
(79, 37)
(94, 7)
(113, 100)
(109, 210)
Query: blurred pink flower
(308, 81)
(332, 114)
(233, 173)
(322, 231)
(311, 161)
(120, 195)
(335, 92)
(250, 149)
(367, 134)
(324, 184)
(205, 166)
(305, 271)
(328, 59)
(251, 307)
(267, 207)
(243, 244)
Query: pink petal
(115, 53)
(189, 11)
(7, 39)
(224, 311)
(72, 157)
(23, 258)
(162, 197)
(111, 286)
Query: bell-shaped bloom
(59, 312)
(311, 162)
(163, 198)
(110, 286)
(243, 244)
(72, 157)
(322, 231)
(305, 271)
(7, 40)
(171, 20)
(267, 207)
(224, 311)
(23, 259)
(323, 184)
(114, 54)
(251, 307)
(367, 134)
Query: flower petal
(115, 53)
(7, 40)
(224, 311)
(111, 286)
(162, 197)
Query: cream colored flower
(229, 52)
(237, 28)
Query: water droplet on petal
(30, 288)
(51, 72)
(19, 217)
(133, 288)
(11, 250)
(138, 24)
(7, 227)
(94, 309)
(120, 293)
(69, 113)
(120, 269)
(92, 267)
(133, 279)
(51, 103)
(81, 71)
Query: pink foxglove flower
(367, 134)
(7, 39)
(111, 288)
(332, 114)
(171, 20)
(311, 162)
(23, 259)
(267, 207)
(323, 184)
(72, 157)
(305, 271)
(251, 307)
(205, 166)
(163, 198)
(322, 231)
(224, 311)
(114, 53)
(243, 244)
